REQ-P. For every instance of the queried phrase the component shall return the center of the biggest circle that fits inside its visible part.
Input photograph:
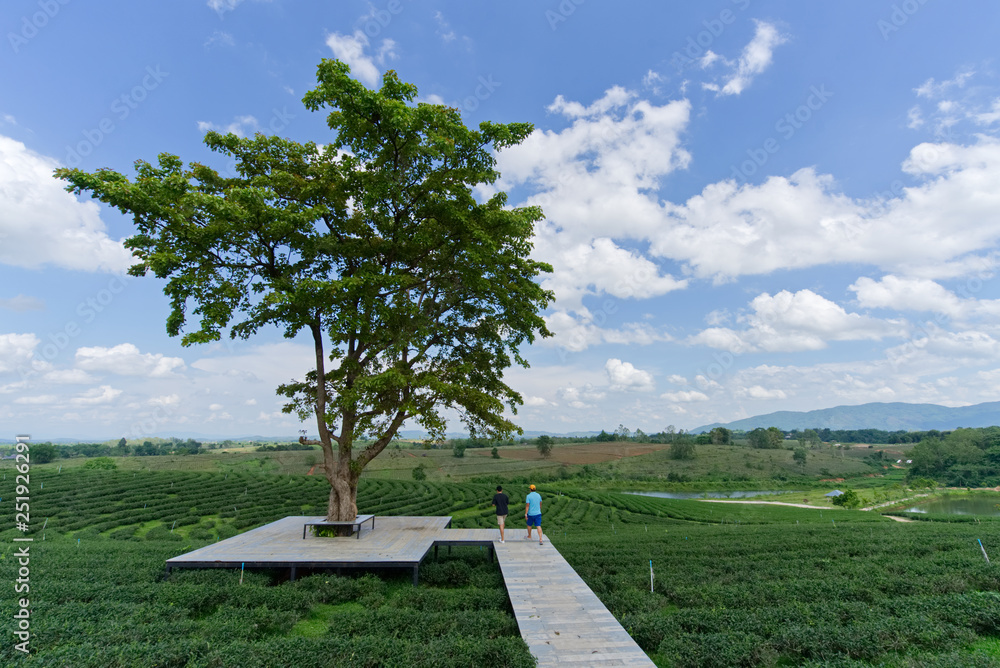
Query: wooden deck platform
(399, 542)
(560, 618)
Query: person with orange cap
(533, 512)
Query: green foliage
(544, 445)
(800, 455)
(766, 439)
(101, 463)
(721, 436)
(848, 499)
(682, 450)
(419, 472)
(458, 449)
(43, 453)
(494, 453)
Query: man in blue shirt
(533, 512)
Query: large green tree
(416, 294)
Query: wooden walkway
(560, 618)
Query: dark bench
(355, 524)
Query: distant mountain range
(889, 417)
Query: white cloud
(796, 321)
(932, 89)
(596, 181)
(537, 402)
(165, 400)
(584, 397)
(988, 117)
(105, 394)
(351, 49)
(677, 379)
(444, 31)
(68, 377)
(685, 396)
(756, 58)
(759, 392)
(576, 334)
(42, 224)
(920, 294)
(241, 126)
(222, 6)
(126, 360)
(37, 400)
(599, 267)
(17, 351)
(22, 303)
(801, 221)
(270, 364)
(625, 377)
(220, 38)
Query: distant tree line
(878, 436)
(960, 458)
(283, 447)
(44, 452)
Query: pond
(979, 504)
(710, 495)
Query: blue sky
(751, 205)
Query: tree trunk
(343, 503)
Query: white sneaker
(501, 540)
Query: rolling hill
(887, 416)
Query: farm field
(646, 463)
(734, 584)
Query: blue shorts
(535, 520)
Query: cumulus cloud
(581, 397)
(126, 360)
(577, 333)
(352, 50)
(759, 392)
(596, 181)
(105, 394)
(802, 221)
(796, 321)
(537, 402)
(921, 294)
(17, 351)
(68, 377)
(625, 377)
(43, 225)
